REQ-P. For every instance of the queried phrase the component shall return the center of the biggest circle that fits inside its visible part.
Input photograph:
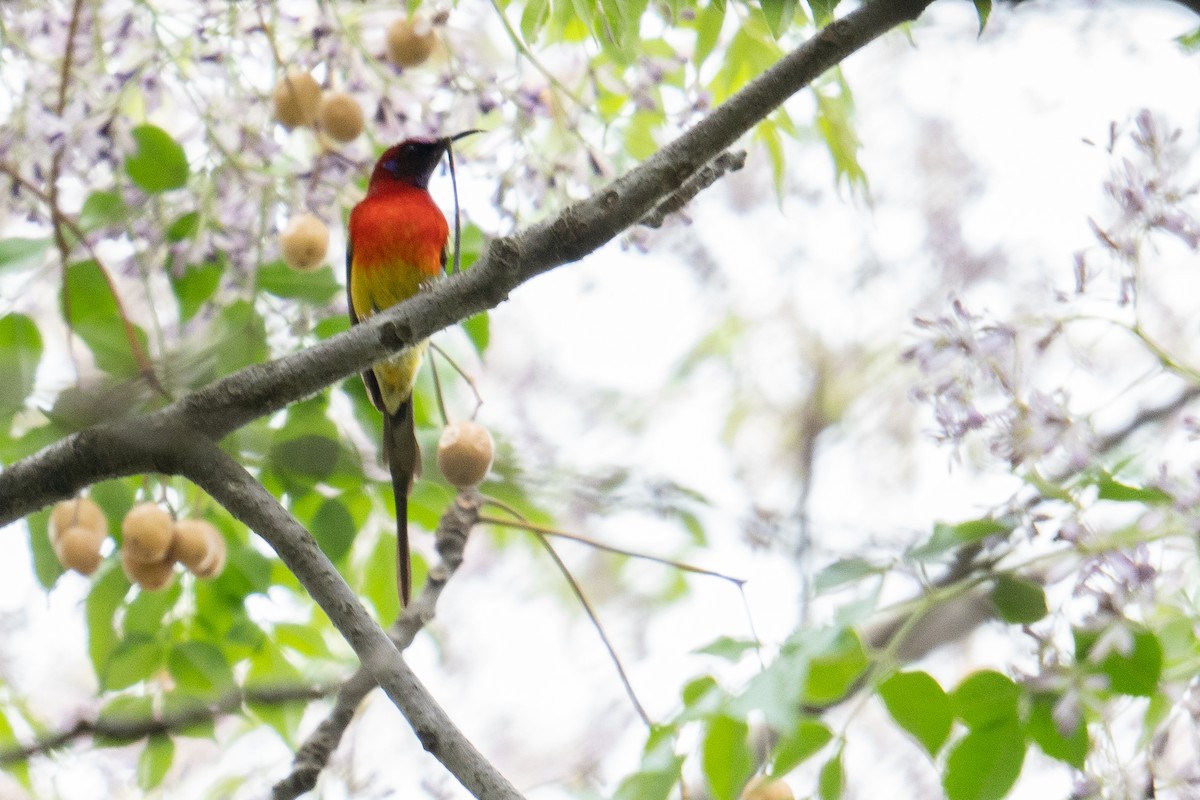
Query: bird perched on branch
(397, 246)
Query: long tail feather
(403, 457)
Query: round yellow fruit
(296, 99)
(410, 41)
(341, 117)
(150, 575)
(78, 548)
(80, 511)
(195, 542)
(764, 788)
(214, 565)
(148, 532)
(465, 453)
(304, 242)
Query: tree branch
(314, 754)
(227, 482)
(166, 722)
(61, 470)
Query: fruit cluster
(153, 542)
(299, 101)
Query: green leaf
(195, 287)
(303, 639)
(184, 227)
(333, 529)
(247, 571)
(660, 769)
(833, 672)
(983, 9)
(108, 592)
(832, 779)
(985, 763)
(839, 573)
(918, 704)
(200, 668)
(1190, 42)
(45, 563)
(379, 584)
(776, 691)
(182, 705)
(1019, 601)
(799, 744)
(639, 134)
(950, 537)
(727, 760)
(648, 785)
(19, 253)
(20, 352)
(1132, 660)
(240, 337)
(728, 648)
(709, 22)
(147, 612)
(822, 11)
(269, 669)
(159, 164)
(779, 15)
(102, 208)
(1071, 748)
(1111, 489)
(135, 658)
(317, 287)
(95, 316)
(8, 740)
(701, 696)
(124, 711)
(986, 698)
(154, 761)
(478, 330)
(533, 19)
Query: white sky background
(530, 683)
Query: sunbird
(396, 247)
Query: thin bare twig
(524, 524)
(587, 607)
(166, 722)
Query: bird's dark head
(413, 160)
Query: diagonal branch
(314, 754)
(232, 486)
(61, 470)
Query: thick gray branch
(313, 755)
(61, 470)
(236, 489)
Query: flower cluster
(975, 379)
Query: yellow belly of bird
(376, 291)
(398, 375)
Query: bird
(396, 247)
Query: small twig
(729, 161)
(541, 534)
(132, 729)
(462, 373)
(575, 537)
(587, 607)
(437, 392)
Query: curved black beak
(458, 136)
